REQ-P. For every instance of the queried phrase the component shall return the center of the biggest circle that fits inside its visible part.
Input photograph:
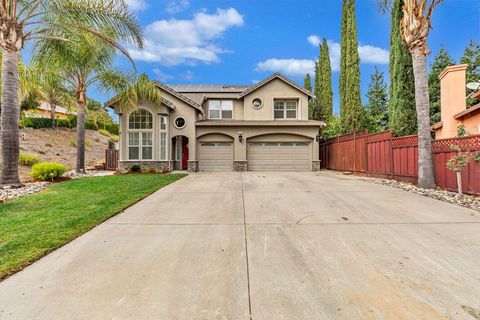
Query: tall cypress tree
(317, 88)
(325, 97)
(402, 111)
(307, 85)
(349, 86)
(441, 60)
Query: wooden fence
(111, 159)
(382, 155)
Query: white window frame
(284, 109)
(141, 132)
(163, 120)
(221, 109)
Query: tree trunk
(426, 178)
(9, 120)
(459, 182)
(53, 108)
(81, 102)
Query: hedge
(38, 123)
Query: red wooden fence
(382, 155)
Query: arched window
(140, 135)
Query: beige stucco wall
(181, 109)
(275, 89)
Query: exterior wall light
(240, 136)
(318, 138)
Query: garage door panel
(278, 156)
(215, 157)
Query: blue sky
(241, 42)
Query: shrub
(145, 169)
(28, 159)
(104, 132)
(113, 138)
(135, 168)
(38, 123)
(48, 171)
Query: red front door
(184, 154)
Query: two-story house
(223, 128)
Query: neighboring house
(43, 111)
(223, 128)
(454, 106)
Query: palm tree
(23, 21)
(86, 62)
(415, 27)
(54, 92)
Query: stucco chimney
(452, 95)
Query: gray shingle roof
(204, 88)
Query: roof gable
(273, 77)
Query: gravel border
(7, 193)
(466, 201)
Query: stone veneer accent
(240, 165)
(192, 166)
(316, 165)
(158, 165)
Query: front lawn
(34, 225)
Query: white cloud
(136, 5)
(162, 76)
(368, 54)
(314, 40)
(173, 42)
(176, 6)
(373, 55)
(291, 67)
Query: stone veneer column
(240, 166)
(192, 166)
(316, 165)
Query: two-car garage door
(261, 156)
(278, 156)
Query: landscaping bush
(27, 159)
(104, 132)
(135, 168)
(48, 171)
(38, 123)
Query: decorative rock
(88, 173)
(467, 201)
(8, 193)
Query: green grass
(33, 226)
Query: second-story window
(220, 109)
(285, 109)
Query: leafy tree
(375, 114)
(402, 113)
(471, 56)
(349, 84)
(25, 21)
(316, 112)
(440, 62)
(94, 105)
(325, 95)
(333, 128)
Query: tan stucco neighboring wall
(275, 89)
(267, 134)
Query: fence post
(391, 157)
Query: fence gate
(111, 159)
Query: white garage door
(215, 156)
(276, 156)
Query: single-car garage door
(215, 156)
(279, 156)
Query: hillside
(59, 145)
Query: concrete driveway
(267, 246)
